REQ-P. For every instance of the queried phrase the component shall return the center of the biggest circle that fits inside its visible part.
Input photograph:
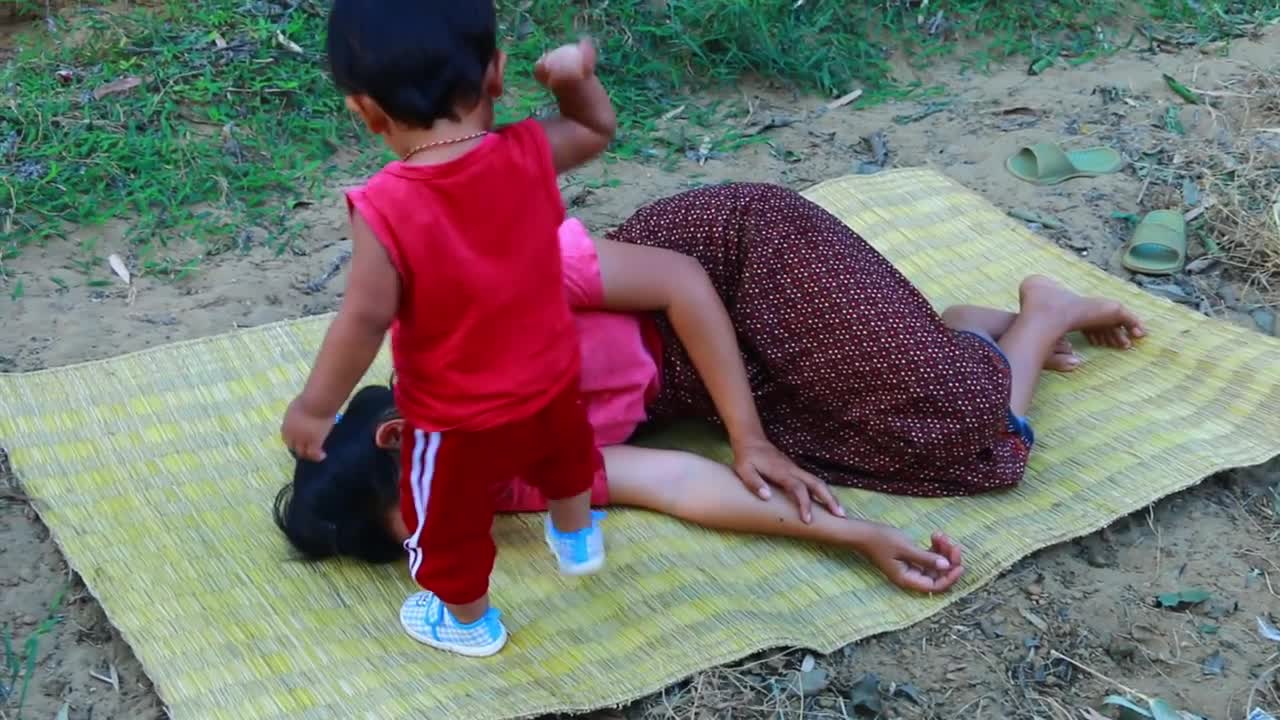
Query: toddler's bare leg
(572, 513)
(467, 613)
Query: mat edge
(55, 537)
(952, 598)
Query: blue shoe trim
(596, 517)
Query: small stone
(813, 682)
(1265, 319)
(1095, 556)
(991, 628)
(910, 692)
(1122, 650)
(1215, 664)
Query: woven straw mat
(155, 471)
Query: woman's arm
(707, 493)
(638, 278)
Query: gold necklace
(427, 146)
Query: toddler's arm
(587, 121)
(368, 307)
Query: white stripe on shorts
(425, 448)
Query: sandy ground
(987, 657)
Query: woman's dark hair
(419, 60)
(340, 506)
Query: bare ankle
(571, 514)
(467, 613)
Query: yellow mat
(155, 473)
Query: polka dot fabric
(855, 375)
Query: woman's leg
(706, 493)
(993, 324)
(1049, 311)
(855, 375)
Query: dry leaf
(1202, 263)
(288, 44)
(1267, 630)
(119, 268)
(113, 679)
(1035, 620)
(844, 99)
(218, 41)
(124, 84)
(672, 113)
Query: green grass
(20, 666)
(231, 126)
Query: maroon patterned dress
(855, 375)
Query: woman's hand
(911, 567)
(758, 464)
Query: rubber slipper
(1158, 245)
(1048, 164)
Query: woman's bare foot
(1104, 322)
(1064, 358)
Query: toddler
(455, 253)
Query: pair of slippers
(1159, 243)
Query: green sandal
(1048, 164)
(1158, 245)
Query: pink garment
(620, 370)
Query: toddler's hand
(566, 64)
(304, 432)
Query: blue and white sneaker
(580, 552)
(428, 621)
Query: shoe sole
(467, 650)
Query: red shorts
(450, 484)
(519, 496)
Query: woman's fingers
(754, 482)
(947, 548)
(927, 577)
(948, 579)
(800, 492)
(929, 562)
(911, 579)
(822, 492)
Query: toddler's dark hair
(419, 60)
(339, 507)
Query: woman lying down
(751, 307)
